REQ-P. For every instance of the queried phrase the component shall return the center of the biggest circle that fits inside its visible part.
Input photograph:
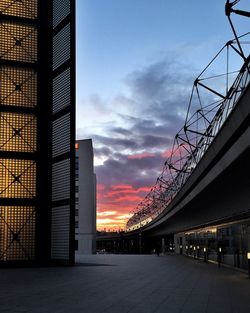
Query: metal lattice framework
(212, 99)
(18, 129)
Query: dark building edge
(43, 156)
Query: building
(85, 222)
(37, 134)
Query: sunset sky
(136, 63)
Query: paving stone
(125, 284)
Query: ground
(121, 283)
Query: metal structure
(37, 134)
(229, 9)
(213, 97)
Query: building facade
(37, 133)
(85, 220)
(227, 243)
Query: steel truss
(212, 99)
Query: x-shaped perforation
(18, 178)
(18, 87)
(18, 42)
(14, 231)
(18, 132)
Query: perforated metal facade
(63, 125)
(37, 126)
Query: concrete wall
(218, 189)
(86, 231)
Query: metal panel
(61, 180)
(63, 132)
(19, 132)
(61, 91)
(37, 77)
(24, 8)
(18, 86)
(61, 47)
(61, 135)
(17, 233)
(17, 178)
(61, 9)
(60, 239)
(18, 42)
(18, 129)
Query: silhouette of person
(158, 249)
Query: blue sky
(117, 36)
(136, 62)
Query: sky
(136, 63)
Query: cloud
(133, 135)
(141, 155)
(163, 88)
(115, 204)
(116, 143)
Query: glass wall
(227, 244)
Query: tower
(37, 131)
(85, 228)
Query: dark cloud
(143, 126)
(152, 112)
(152, 81)
(163, 88)
(115, 143)
(136, 172)
(150, 141)
(102, 152)
(121, 131)
(158, 97)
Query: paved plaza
(121, 283)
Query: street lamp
(140, 242)
(180, 249)
(205, 254)
(248, 259)
(219, 256)
(139, 214)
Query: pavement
(126, 283)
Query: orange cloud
(122, 187)
(167, 153)
(141, 155)
(115, 204)
(106, 213)
(128, 191)
(100, 187)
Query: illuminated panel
(18, 86)
(20, 8)
(18, 128)
(17, 233)
(18, 132)
(17, 178)
(18, 42)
